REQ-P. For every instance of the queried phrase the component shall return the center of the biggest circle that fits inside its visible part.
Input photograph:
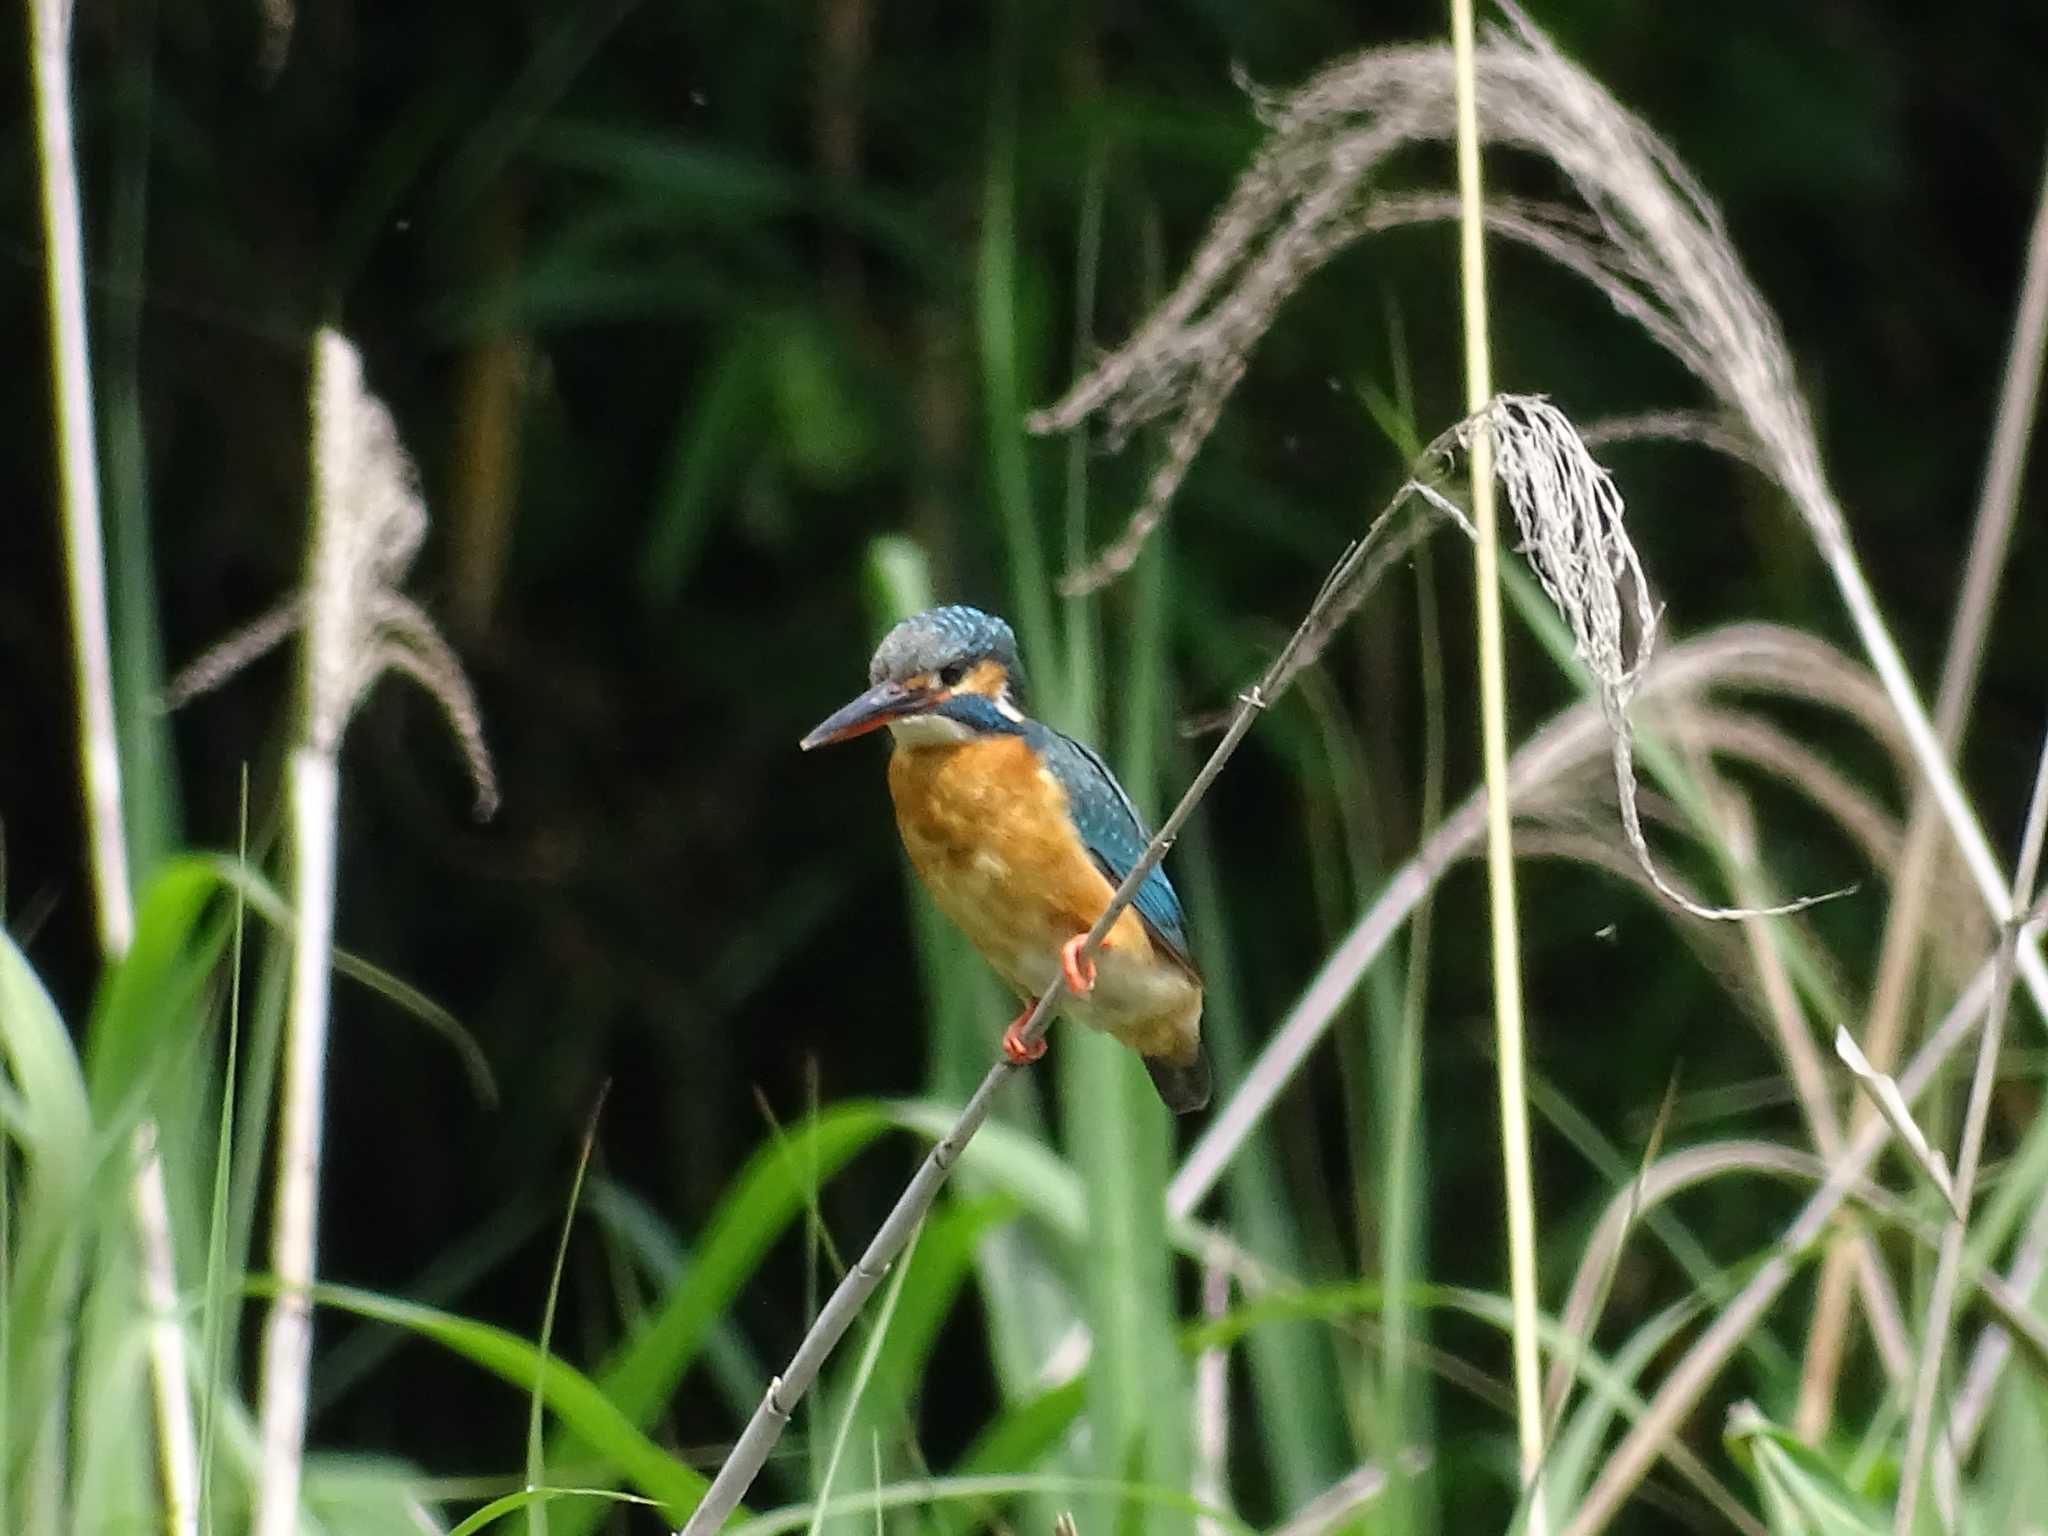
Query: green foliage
(714, 331)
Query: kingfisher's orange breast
(987, 830)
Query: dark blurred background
(679, 306)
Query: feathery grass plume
(368, 523)
(1569, 514)
(1304, 198)
(358, 623)
(1647, 236)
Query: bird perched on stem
(1022, 835)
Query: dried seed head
(1569, 515)
(1646, 236)
(369, 520)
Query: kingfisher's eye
(951, 673)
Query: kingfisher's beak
(871, 711)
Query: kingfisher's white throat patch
(929, 731)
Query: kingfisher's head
(945, 675)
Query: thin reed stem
(1906, 921)
(1658, 1426)
(1756, 653)
(1994, 1346)
(99, 747)
(288, 1332)
(78, 483)
(778, 1404)
(1500, 854)
(1948, 1269)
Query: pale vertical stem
(1212, 1405)
(1507, 964)
(288, 1333)
(1933, 761)
(177, 1441)
(1994, 1346)
(99, 751)
(78, 475)
(1948, 1269)
(1997, 507)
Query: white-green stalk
(288, 1335)
(99, 751)
(1500, 852)
(367, 523)
(77, 473)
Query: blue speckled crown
(927, 641)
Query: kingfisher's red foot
(1076, 967)
(1014, 1046)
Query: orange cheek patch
(986, 679)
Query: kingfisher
(1022, 835)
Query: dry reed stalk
(1782, 662)
(1211, 1482)
(99, 747)
(1969, 1152)
(368, 520)
(1906, 920)
(1518, 1179)
(1658, 1429)
(1994, 1346)
(1795, 1038)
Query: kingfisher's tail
(1184, 1086)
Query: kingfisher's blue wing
(1114, 835)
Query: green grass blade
(1178, 1511)
(574, 1399)
(964, 1007)
(1119, 1133)
(996, 298)
(932, 1277)
(507, 1505)
(536, 1461)
(145, 1016)
(216, 1305)
(55, 1136)
(1801, 1492)
(768, 1193)
(113, 1483)
(709, 443)
(650, 1243)
(1293, 1375)
(863, 1373)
